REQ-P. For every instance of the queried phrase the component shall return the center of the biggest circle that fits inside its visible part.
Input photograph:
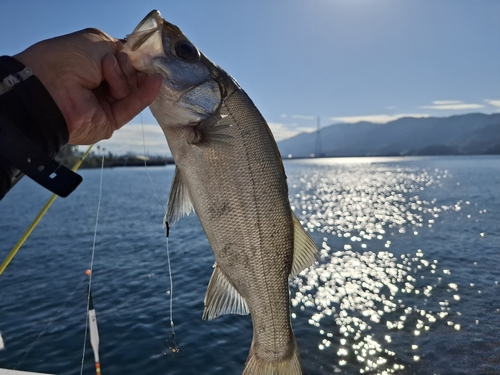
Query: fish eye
(186, 51)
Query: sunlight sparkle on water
(355, 290)
(363, 297)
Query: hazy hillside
(473, 133)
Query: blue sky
(342, 60)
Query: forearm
(26, 105)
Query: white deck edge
(4, 371)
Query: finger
(126, 109)
(112, 73)
(127, 69)
(141, 77)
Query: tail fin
(258, 366)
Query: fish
(230, 172)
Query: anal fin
(304, 249)
(222, 297)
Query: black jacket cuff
(26, 104)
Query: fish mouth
(150, 25)
(157, 46)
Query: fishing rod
(35, 222)
(92, 320)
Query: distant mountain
(474, 133)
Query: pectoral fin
(305, 250)
(222, 297)
(179, 203)
(209, 132)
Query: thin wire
(174, 348)
(170, 274)
(47, 326)
(92, 264)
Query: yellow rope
(35, 222)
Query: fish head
(189, 93)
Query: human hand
(94, 84)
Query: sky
(300, 60)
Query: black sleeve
(29, 120)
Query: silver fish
(229, 169)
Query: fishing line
(92, 263)
(47, 326)
(173, 348)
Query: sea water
(407, 281)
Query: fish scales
(229, 169)
(246, 216)
(260, 225)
